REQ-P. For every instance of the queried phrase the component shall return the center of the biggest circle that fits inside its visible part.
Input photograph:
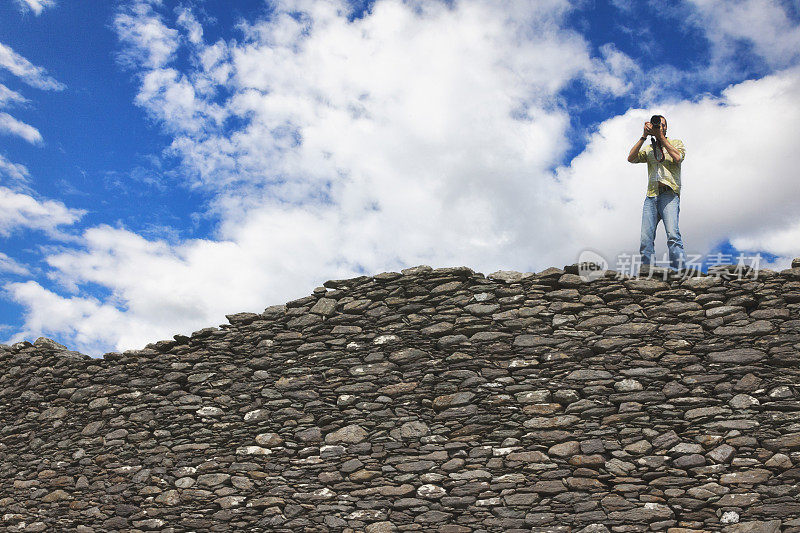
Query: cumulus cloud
(20, 211)
(90, 323)
(424, 132)
(37, 6)
(409, 136)
(233, 278)
(615, 72)
(765, 25)
(26, 71)
(780, 241)
(149, 42)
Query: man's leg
(649, 222)
(669, 207)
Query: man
(663, 157)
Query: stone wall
(428, 400)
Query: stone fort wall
(427, 400)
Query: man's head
(659, 121)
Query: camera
(655, 126)
(655, 121)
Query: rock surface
(427, 400)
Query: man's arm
(633, 156)
(673, 153)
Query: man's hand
(648, 129)
(634, 153)
(673, 153)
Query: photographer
(663, 157)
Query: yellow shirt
(667, 172)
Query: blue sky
(163, 164)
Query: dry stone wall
(427, 400)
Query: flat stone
(480, 309)
(565, 449)
(646, 285)
(549, 487)
(350, 434)
(55, 496)
(790, 441)
(398, 389)
(212, 480)
(737, 355)
(407, 355)
(548, 422)
(452, 400)
(738, 500)
(631, 329)
(588, 375)
(650, 512)
(767, 526)
(256, 415)
(414, 429)
(705, 412)
(506, 276)
(701, 282)
(743, 401)
(210, 411)
(324, 307)
(750, 477)
(722, 453)
(53, 413)
(759, 327)
(528, 457)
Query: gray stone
(324, 307)
(350, 434)
(53, 413)
(759, 327)
(414, 429)
(633, 329)
(588, 375)
(768, 526)
(738, 355)
(212, 480)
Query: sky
(163, 164)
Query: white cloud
(12, 126)
(9, 97)
(402, 138)
(149, 42)
(90, 323)
(304, 77)
(13, 171)
(10, 266)
(421, 133)
(37, 6)
(764, 24)
(187, 21)
(616, 72)
(782, 241)
(20, 211)
(233, 276)
(26, 71)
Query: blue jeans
(666, 207)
